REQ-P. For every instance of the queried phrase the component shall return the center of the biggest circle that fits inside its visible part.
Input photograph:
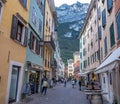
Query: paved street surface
(58, 95)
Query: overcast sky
(60, 2)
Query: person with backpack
(44, 87)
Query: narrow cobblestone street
(58, 95)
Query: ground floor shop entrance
(34, 80)
(14, 84)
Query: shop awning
(85, 73)
(110, 62)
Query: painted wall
(33, 57)
(9, 49)
(48, 17)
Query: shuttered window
(99, 13)
(99, 32)
(18, 31)
(26, 36)
(105, 45)
(88, 61)
(80, 45)
(81, 55)
(84, 52)
(34, 44)
(118, 24)
(103, 18)
(109, 5)
(83, 40)
(24, 3)
(112, 38)
(14, 27)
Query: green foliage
(67, 45)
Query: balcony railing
(48, 39)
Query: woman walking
(44, 87)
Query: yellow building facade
(48, 39)
(13, 32)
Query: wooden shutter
(99, 13)
(118, 24)
(26, 35)
(104, 18)
(109, 5)
(4, 1)
(36, 48)
(30, 40)
(14, 27)
(105, 45)
(112, 38)
(99, 32)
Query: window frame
(112, 36)
(22, 3)
(118, 24)
(1, 10)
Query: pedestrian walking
(92, 84)
(44, 87)
(73, 83)
(79, 85)
(65, 81)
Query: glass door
(14, 84)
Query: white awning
(85, 73)
(110, 62)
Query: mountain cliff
(70, 22)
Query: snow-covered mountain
(73, 14)
(70, 13)
(70, 22)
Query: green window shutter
(109, 5)
(84, 52)
(14, 27)
(99, 32)
(105, 45)
(103, 18)
(112, 38)
(81, 55)
(83, 40)
(99, 13)
(26, 36)
(118, 24)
